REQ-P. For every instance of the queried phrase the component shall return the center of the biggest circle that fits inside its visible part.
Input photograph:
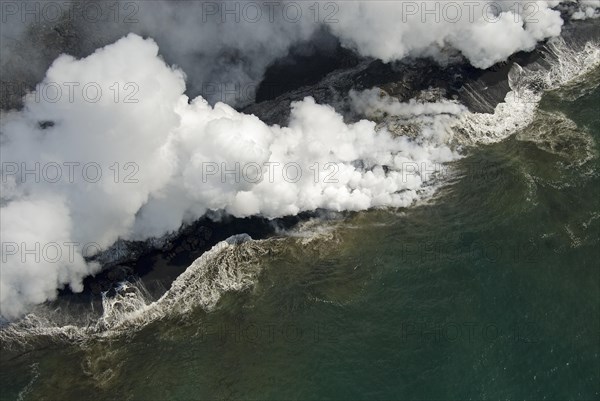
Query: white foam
(231, 265)
(560, 65)
(35, 373)
(453, 123)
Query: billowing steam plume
(124, 153)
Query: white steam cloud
(188, 158)
(485, 32)
(587, 9)
(226, 47)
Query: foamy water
(560, 66)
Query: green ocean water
(489, 291)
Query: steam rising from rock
(189, 158)
(484, 32)
(224, 48)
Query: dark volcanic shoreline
(163, 264)
(405, 80)
(334, 72)
(157, 266)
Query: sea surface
(490, 290)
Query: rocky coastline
(158, 262)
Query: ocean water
(491, 290)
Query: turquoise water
(490, 291)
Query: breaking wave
(560, 65)
(231, 265)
